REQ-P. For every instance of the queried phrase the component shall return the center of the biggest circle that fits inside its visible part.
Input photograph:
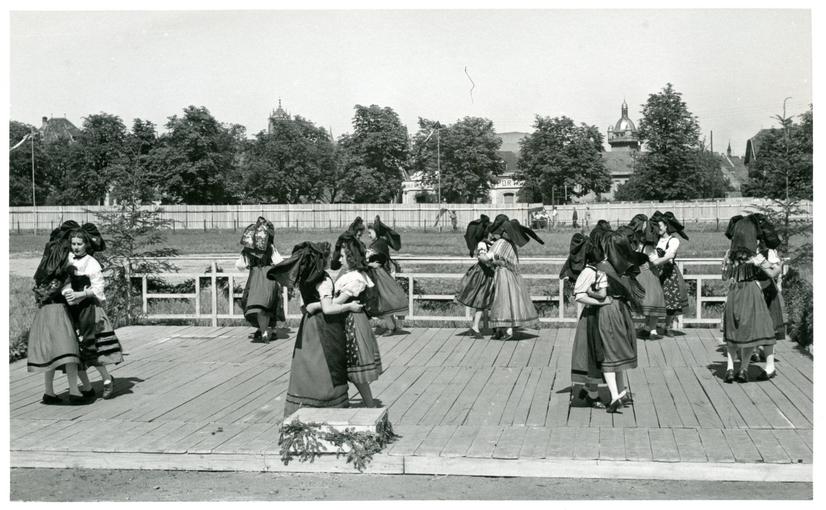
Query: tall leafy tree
(195, 156)
(460, 159)
(373, 155)
(560, 154)
(674, 166)
(782, 172)
(292, 164)
(135, 178)
(102, 138)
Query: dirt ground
(102, 485)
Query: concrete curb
(390, 464)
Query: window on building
(507, 198)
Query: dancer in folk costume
(511, 306)
(616, 350)
(262, 300)
(476, 287)
(771, 271)
(747, 321)
(99, 346)
(52, 338)
(354, 285)
(318, 371)
(645, 236)
(392, 297)
(664, 259)
(589, 293)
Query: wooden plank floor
(201, 390)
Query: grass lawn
(191, 242)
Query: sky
(734, 67)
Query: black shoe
(765, 376)
(742, 376)
(643, 334)
(627, 399)
(614, 406)
(755, 357)
(476, 334)
(90, 393)
(75, 400)
(729, 378)
(51, 400)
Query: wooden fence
(417, 216)
(556, 295)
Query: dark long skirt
(363, 358)
(653, 304)
(775, 304)
(746, 318)
(618, 335)
(318, 372)
(98, 343)
(392, 297)
(675, 290)
(262, 295)
(584, 367)
(512, 305)
(476, 287)
(52, 339)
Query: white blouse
(89, 266)
(669, 245)
(353, 283)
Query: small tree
(135, 236)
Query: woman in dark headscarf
(392, 297)
(747, 322)
(262, 298)
(318, 371)
(353, 285)
(99, 346)
(476, 287)
(645, 235)
(589, 293)
(618, 350)
(52, 340)
(512, 305)
(665, 260)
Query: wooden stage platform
(211, 399)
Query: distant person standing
(575, 219)
(587, 218)
(262, 299)
(554, 216)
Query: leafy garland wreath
(303, 441)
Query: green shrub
(21, 310)
(797, 293)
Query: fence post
(214, 280)
(680, 317)
(144, 290)
(699, 294)
(561, 299)
(197, 296)
(410, 313)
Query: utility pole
(439, 165)
(34, 197)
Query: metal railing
(557, 296)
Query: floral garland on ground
(303, 441)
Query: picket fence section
(556, 294)
(414, 216)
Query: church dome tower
(623, 136)
(278, 115)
